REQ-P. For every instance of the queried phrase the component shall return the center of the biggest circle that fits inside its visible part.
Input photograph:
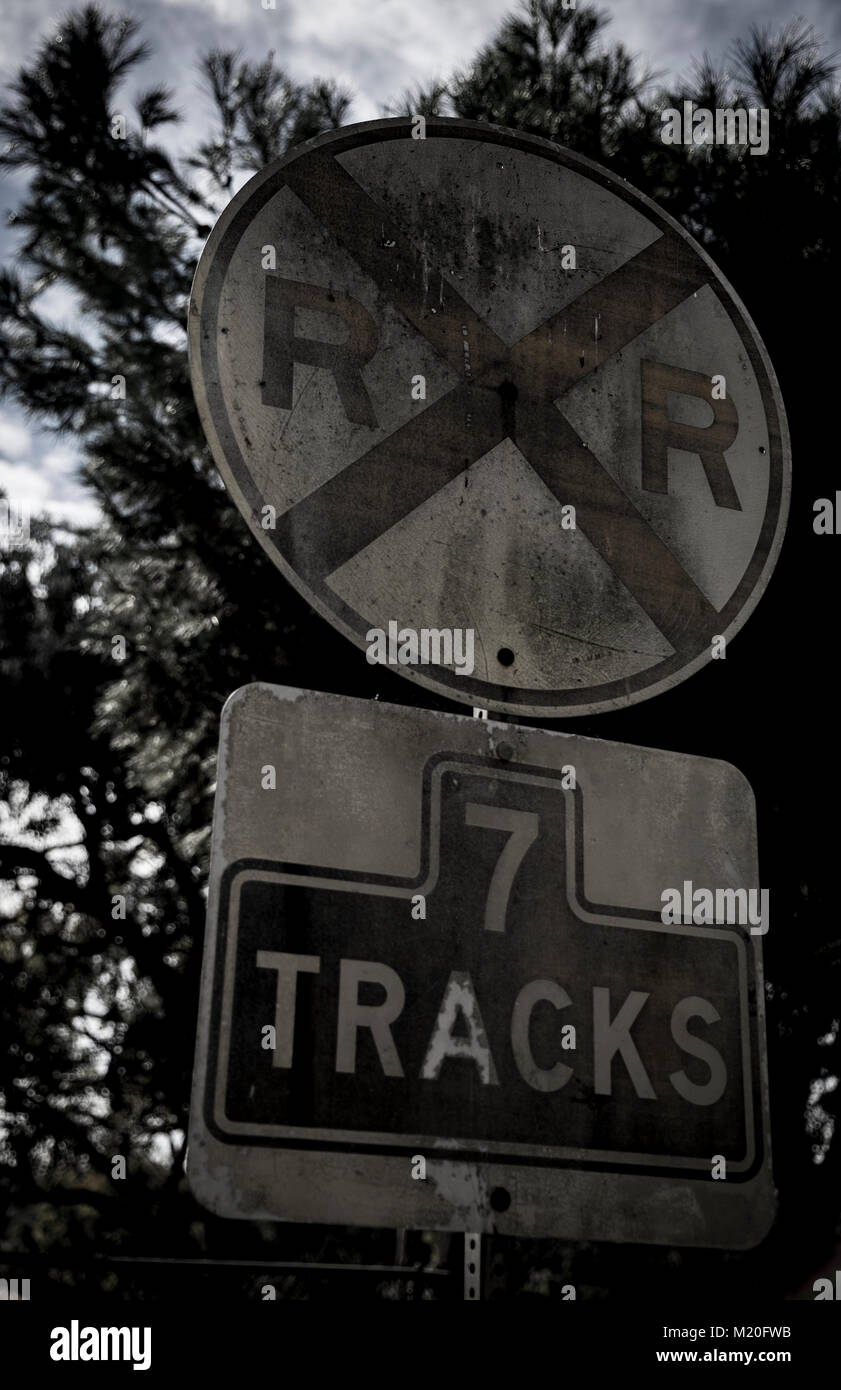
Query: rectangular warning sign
(439, 938)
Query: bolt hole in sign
(474, 384)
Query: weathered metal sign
(440, 990)
(472, 383)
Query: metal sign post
(473, 1265)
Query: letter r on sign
(283, 347)
(661, 433)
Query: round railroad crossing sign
(496, 416)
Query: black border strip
(396, 881)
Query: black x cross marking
(524, 380)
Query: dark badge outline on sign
(671, 264)
(472, 1150)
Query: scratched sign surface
(453, 928)
(413, 357)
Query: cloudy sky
(376, 48)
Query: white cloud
(79, 511)
(15, 439)
(24, 484)
(59, 305)
(380, 49)
(230, 11)
(60, 460)
(41, 475)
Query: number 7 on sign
(523, 828)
